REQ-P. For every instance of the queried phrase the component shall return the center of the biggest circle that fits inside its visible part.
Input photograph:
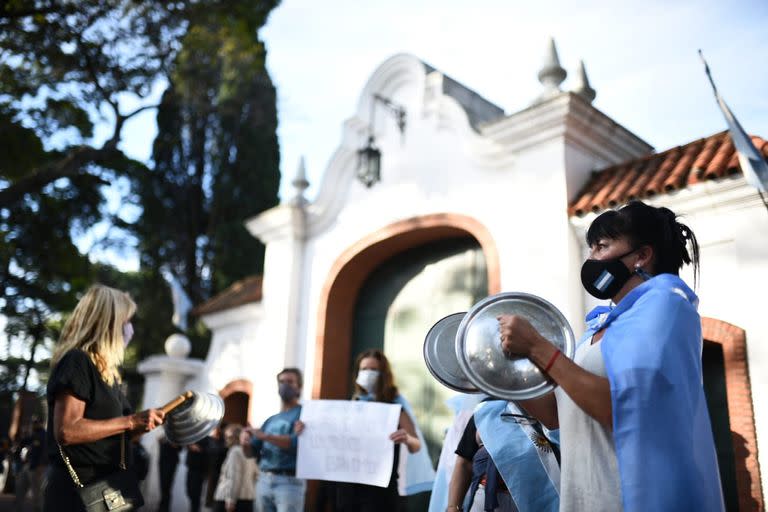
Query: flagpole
(762, 196)
(709, 75)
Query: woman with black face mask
(633, 420)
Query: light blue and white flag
(661, 429)
(181, 302)
(752, 163)
(417, 467)
(524, 458)
(463, 407)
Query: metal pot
(191, 416)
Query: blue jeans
(280, 493)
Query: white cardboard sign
(347, 441)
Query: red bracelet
(551, 361)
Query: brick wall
(734, 343)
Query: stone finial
(300, 183)
(552, 74)
(177, 346)
(582, 87)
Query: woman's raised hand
(518, 336)
(147, 420)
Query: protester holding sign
(375, 383)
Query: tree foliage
(216, 155)
(68, 67)
(68, 64)
(64, 67)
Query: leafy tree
(65, 66)
(216, 157)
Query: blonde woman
(88, 415)
(235, 490)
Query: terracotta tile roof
(242, 292)
(709, 158)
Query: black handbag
(118, 491)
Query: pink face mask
(127, 333)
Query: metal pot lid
(479, 353)
(440, 354)
(194, 419)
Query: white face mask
(367, 379)
(127, 333)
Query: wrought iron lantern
(369, 163)
(369, 157)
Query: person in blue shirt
(274, 445)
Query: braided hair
(657, 227)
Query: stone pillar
(165, 377)
(282, 230)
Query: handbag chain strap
(71, 470)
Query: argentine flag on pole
(752, 163)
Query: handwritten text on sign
(347, 441)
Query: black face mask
(287, 392)
(604, 278)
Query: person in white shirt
(235, 490)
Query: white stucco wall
(515, 176)
(512, 176)
(731, 223)
(242, 347)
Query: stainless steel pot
(191, 416)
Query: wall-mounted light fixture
(369, 157)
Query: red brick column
(733, 340)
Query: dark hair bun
(656, 227)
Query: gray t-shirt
(589, 476)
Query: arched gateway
(354, 266)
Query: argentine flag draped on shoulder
(661, 428)
(415, 469)
(522, 455)
(463, 407)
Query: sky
(641, 58)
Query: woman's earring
(642, 273)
